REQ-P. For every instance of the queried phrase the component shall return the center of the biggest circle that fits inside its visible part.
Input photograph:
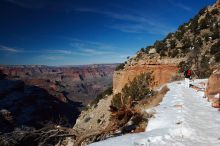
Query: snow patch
(184, 118)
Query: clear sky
(75, 32)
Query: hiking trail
(183, 118)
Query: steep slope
(194, 45)
(213, 88)
(77, 83)
(29, 112)
(181, 119)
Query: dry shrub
(154, 100)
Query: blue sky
(76, 32)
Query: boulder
(213, 88)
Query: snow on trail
(184, 118)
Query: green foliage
(215, 48)
(182, 28)
(146, 50)
(139, 56)
(175, 53)
(172, 44)
(204, 62)
(102, 95)
(217, 57)
(197, 43)
(186, 45)
(159, 45)
(202, 11)
(134, 90)
(183, 65)
(216, 33)
(179, 35)
(169, 35)
(142, 50)
(116, 101)
(163, 53)
(203, 24)
(148, 47)
(138, 89)
(120, 67)
(204, 69)
(194, 24)
(206, 37)
(215, 11)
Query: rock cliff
(77, 83)
(162, 73)
(194, 45)
(213, 88)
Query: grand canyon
(167, 93)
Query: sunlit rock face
(162, 74)
(77, 83)
(217, 4)
(213, 88)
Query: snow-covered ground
(184, 118)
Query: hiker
(187, 74)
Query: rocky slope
(194, 45)
(162, 74)
(37, 103)
(27, 108)
(77, 83)
(213, 88)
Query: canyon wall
(163, 70)
(77, 83)
(161, 73)
(213, 88)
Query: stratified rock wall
(162, 74)
(78, 83)
(213, 88)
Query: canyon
(194, 45)
(43, 97)
(76, 83)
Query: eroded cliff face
(163, 71)
(213, 88)
(77, 83)
(162, 74)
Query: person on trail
(187, 74)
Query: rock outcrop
(162, 73)
(194, 45)
(33, 106)
(27, 108)
(213, 88)
(217, 4)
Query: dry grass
(154, 100)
